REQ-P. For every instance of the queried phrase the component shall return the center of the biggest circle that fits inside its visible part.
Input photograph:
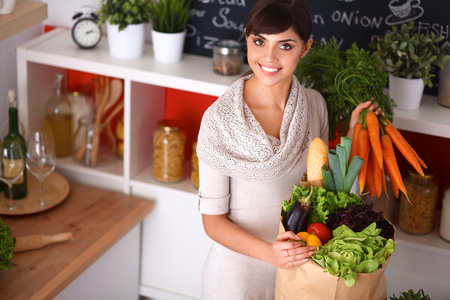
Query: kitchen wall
(8, 70)
(59, 14)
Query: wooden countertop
(97, 218)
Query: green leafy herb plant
(407, 53)
(7, 244)
(411, 295)
(169, 16)
(345, 78)
(124, 12)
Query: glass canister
(416, 216)
(228, 57)
(58, 117)
(94, 143)
(444, 228)
(168, 152)
(194, 166)
(78, 104)
(444, 84)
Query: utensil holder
(94, 142)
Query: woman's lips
(269, 70)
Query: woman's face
(274, 57)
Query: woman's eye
(258, 42)
(286, 47)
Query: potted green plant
(410, 57)
(7, 244)
(125, 21)
(168, 19)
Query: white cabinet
(174, 244)
(112, 280)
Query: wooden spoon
(97, 122)
(102, 91)
(37, 241)
(116, 87)
(115, 111)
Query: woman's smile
(269, 70)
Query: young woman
(252, 149)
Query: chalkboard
(213, 20)
(349, 21)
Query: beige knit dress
(245, 174)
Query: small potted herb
(125, 20)
(410, 56)
(168, 19)
(411, 295)
(7, 244)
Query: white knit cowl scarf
(233, 142)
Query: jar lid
(169, 125)
(428, 174)
(75, 93)
(228, 47)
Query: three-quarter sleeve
(214, 191)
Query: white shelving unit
(430, 118)
(145, 81)
(175, 214)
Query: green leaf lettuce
(349, 252)
(325, 202)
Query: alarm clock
(86, 32)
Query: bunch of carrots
(373, 140)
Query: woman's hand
(356, 113)
(282, 253)
(286, 253)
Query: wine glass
(41, 159)
(13, 162)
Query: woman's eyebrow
(287, 40)
(281, 41)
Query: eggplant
(297, 217)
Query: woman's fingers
(284, 236)
(371, 105)
(296, 253)
(297, 256)
(288, 251)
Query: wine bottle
(58, 118)
(19, 188)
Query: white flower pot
(168, 47)
(7, 6)
(407, 93)
(128, 43)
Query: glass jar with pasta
(416, 216)
(194, 166)
(168, 152)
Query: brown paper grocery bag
(309, 281)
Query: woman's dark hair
(277, 16)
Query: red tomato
(321, 230)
